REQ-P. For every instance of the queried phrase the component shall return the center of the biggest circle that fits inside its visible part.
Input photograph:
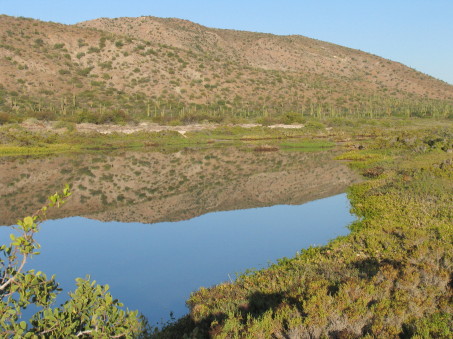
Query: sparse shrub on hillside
(97, 83)
(139, 47)
(149, 51)
(81, 43)
(39, 42)
(84, 71)
(58, 46)
(106, 65)
(102, 41)
(64, 71)
(93, 49)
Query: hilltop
(127, 68)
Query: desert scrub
(389, 278)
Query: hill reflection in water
(152, 187)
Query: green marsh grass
(389, 278)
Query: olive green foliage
(390, 277)
(90, 311)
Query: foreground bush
(90, 312)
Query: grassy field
(391, 277)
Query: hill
(117, 69)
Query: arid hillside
(272, 52)
(160, 68)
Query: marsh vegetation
(390, 277)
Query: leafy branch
(91, 312)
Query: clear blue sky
(418, 33)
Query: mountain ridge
(147, 65)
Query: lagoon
(155, 267)
(156, 226)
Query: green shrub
(64, 71)
(93, 49)
(90, 311)
(39, 42)
(84, 71)
(58, 46)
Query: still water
(154, 267)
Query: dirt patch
(141, 127)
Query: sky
(417, 33)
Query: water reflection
(154, 268)
(152, 187)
